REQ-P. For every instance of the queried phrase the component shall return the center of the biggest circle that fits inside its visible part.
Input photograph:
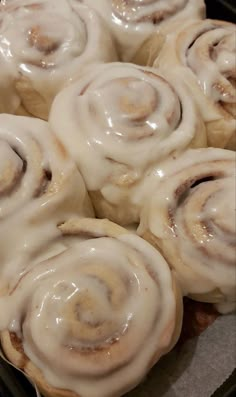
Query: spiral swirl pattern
(119, 121)
(39, 185)
(106, 305)
(153, 11)
(134, 22)
(204, 53)
(46, 43)
(191, 217)
(220, 59)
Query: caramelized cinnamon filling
(42, 42)
(45, 182)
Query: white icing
(118, 121)
(125, 18)
(49, 42)
(31, 205)
(105, 306)
(204, 54)
(195, 226)
(218, 67)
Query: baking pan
(13, 383)
(221, 9)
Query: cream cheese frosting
(190, 216)
(134, 21)
(45, 44)
(39, 187)
(117, 122)
(105, 305)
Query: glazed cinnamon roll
(44, 44)
(203, 54)
(135, 23)
(107, 305)
(39, 188)
(191, 218)
(117, 122)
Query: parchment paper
(198, 367)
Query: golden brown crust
(218, 134)
(179, 312)
(115, 212)
(21, 111)
(31, 101)
(149, 50)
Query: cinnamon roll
(117, 122)
(107, 306)
(135, 23)
(203, 54)
(39, 188)
(191, 218)
(44, 44)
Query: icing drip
(133, 22)
(105, 305)
(212, 58)
(119, 121)
(29, 36)
(202, 54)
(39, 188)
(191, 217)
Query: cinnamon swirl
(118, 121)
(135, 23)
(191, 218)
(107, 306)
(39, 188)
(203, 54)
(43, 45)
